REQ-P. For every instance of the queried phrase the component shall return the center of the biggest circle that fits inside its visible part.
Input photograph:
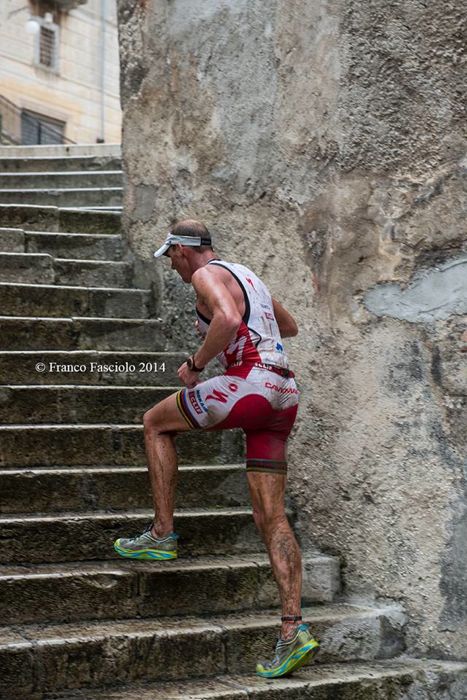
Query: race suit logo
(281, 389)
(221, 395)
(194, 403)
(200, 401)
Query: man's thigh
(166, 416)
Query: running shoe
(290, 654)
(147, 547)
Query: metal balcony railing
(66, 5)
(19, 126)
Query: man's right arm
(225, 320)
(285, 321)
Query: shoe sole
(293, 662)
(144, 554)
(308, 657)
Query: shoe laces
(149, 527)
(277, 647)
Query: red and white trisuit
(257, 392)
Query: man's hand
(187, 377)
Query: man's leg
(161, 423)
(267, 496)
(179, 412)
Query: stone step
(67, 197)
(67, 300)
(71, 656)
(95, 273)
(53, 219)
(79, 489)
(42, 268)
(81, 333)
(90, 367)
(59, 164)
(12, 240)
(63, 245)
(376, 680)
(121, 589)
(60, 180)
(78, 404)
(26, 268)
(37, 539)
(113, 445)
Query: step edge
(130, 353)
(123, 515)
(93, 236)
(113, 470)
(80, 318)
(50, 208)
(121, 290)
(92, 629)
(58, 173)
(93, 261)
(50, 190)
(92, 387)
(111, 567)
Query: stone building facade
(59, 71)
(324, 145)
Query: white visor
(193, 241)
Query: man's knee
(267, 520)
(258, 519)
(164, 418)
(152, 421)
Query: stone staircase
(82, 356)
(62, 176)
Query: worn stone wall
(322, 143)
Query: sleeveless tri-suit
(257, 392)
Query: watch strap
(192, 366)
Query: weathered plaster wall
(322, 143)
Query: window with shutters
(46, 54)
(40, 129)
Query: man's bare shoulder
(207, 274)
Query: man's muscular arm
(225, 321)
(226, 317)
(285, 321)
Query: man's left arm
(286, 322)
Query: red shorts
(264, 405)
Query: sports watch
(191, 364)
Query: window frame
(53, 27)
(44, 121)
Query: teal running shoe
(290, 654)
(147, 547)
